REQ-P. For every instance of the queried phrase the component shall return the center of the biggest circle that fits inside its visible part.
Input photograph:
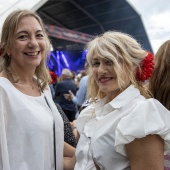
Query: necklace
(17, 80)
(23, 82)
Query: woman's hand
(69, 96)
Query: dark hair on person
(159, 83)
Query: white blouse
(26, 130)
(106, 128)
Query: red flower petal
(147, 66)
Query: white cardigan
(26, 130)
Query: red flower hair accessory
(146, 68)
(53, 77)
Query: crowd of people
(117, 118)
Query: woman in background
(159, 83)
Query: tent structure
(70, 24)
(91, 18)
(8, 6)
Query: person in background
(124, 128)
(81, 94)
(53, 82)
(79, 77)
(159, 83)
(31, 128)
(73, 75)
(63, 87)
(69, 136)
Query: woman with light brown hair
(31, 128)
(159, 83)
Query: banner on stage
(70, 35)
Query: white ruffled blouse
(105, 129)
(26, 130)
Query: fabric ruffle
(84, 117)
(148, 117)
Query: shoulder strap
(53, 131)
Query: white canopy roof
(7, 6)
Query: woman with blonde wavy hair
(28, 114)
(124, 128)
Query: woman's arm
(76, 134)
(146, 153)
(69, 151)
(69, 163)
(69, 157)
(75, 131)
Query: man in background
(63, 87)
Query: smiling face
(106, 77)
(29, 44)
(113, 59)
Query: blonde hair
(116, 47)
(7, 40)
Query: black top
(68, 132)
(62, 88)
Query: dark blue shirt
(62, 88)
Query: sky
(155, 15)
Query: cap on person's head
(66, 72)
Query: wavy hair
(159, 82)
(7, 40)
(116, 47)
